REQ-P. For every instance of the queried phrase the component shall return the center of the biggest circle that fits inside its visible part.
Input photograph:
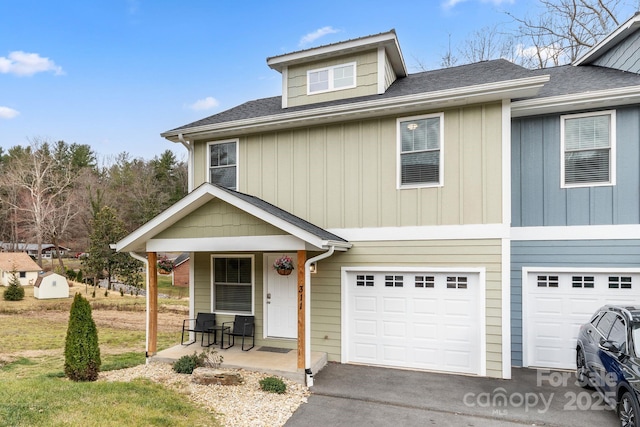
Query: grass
(34, 390)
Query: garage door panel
(422, 324)
(553, 314)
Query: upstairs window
(223, 164)
(420, 151)
(331, 78)
(588, 149)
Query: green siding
(218, 219)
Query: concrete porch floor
(270, 362)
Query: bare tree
(487, 43)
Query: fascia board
(611, 40)
(517, 88)
(598, 99)
(278, 62)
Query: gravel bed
(234, 406)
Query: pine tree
(15, 291)
(81, 352)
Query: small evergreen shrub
(81, 351)
(187, 363)
(15, 291)
(273, 385)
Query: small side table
(214, 330)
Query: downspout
(307, 313)
(146, 323)
(189, 148)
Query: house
(20, 263)
(180, 273)
(436, 208)
(51, 285)
(48, 250)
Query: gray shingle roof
(564, 80)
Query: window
(233, 284)
(420, 151)
(331, 78)
(619, 282)
(547, 281)
(425, 281)
(23, 274)
(393, 281)
(223, 164)
(456, 282)
(588, 149)
(618, 334)
(364, 280)
(582, 281)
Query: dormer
(353, 68)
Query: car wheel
(628, 410)
(582, 374)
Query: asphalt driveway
(353, 395)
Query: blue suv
(608, 359)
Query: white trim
(331, 78)
(429, 232)
(482, 298)
(506, 162)
(506, 308)
(577, 232)
(277, 242)
(560, 270)
(580, 101)
(285, 87)
(253, 283)
(192, 285)
(399, 152)
(612, 149)
(613, 38)
(236, 141)
(382, 66)
(487, 92)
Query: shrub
(187, 363)
(81, 350)
(15, 291)
(273, 385)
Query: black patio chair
(203, 323)
(242, 326)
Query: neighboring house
(21, 263)
(48, 250)
(420, 198)
(180, 272)
(51, 285)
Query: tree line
(59, 193)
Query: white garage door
(556, 304)
(414, 319)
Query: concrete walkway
(353, 395)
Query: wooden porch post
(302, 258)
(152, 295)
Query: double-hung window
(327, 79)
(223, 167)
(588, 149)
(420, 151)
(232, 284)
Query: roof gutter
(307, 313)
(146, 323)
(189, 146)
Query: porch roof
(302, 234)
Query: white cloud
(27, 64)
(450, 4)
(8, 113)
(204, 104)
(321, 32)
(546, 54)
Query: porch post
(302, 258)
(152, 298)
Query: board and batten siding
(345, 175)
(366, 79)
(561, 254)
(538, 199)
(625, 56)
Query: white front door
(281, 297)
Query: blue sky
(114, 74)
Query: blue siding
(582, 253)
(538, 200)
(625, 56)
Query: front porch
(270, 360)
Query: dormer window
(332, 78)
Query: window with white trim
(328, 79)
(232, 284)
(588, 149)
(223, 157)
(420, 151)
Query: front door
(281, 293)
